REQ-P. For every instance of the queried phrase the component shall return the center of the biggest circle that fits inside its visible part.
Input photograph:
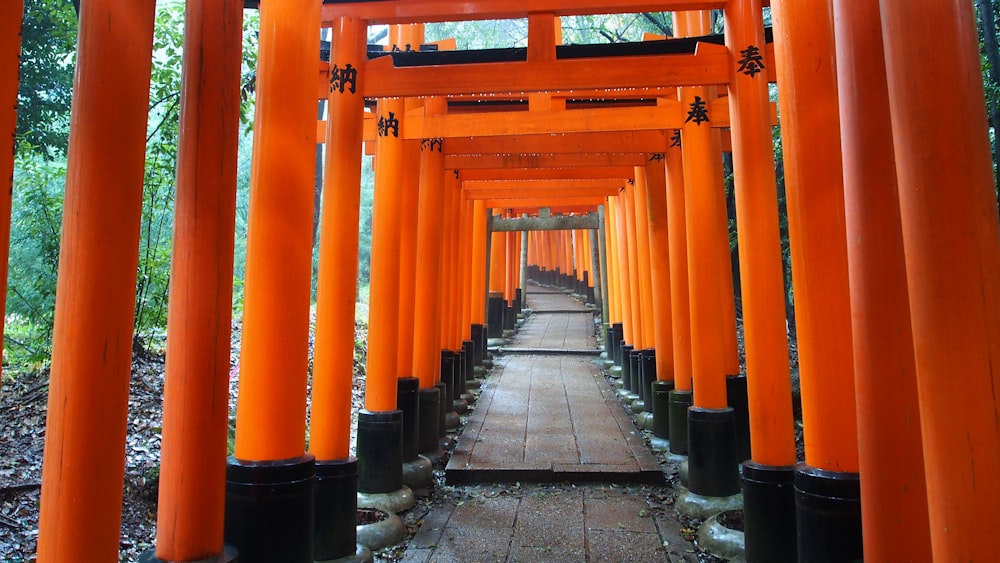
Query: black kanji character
(385, 124)
(675, 139)
(698, 112)
(752, 61)
(344, 78)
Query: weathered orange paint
(429, 260)
(807, 88)
(190, 514)
(642, 251)
(659, 262)
(893, 493)
(766, 343)
(950, 233)
(92, 336)
(680, 318)
(270, 413)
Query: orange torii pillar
(472, 332)
(659, 261)
(11, 13)
(190, 515)
(432, 301)
(712, 453)
(613, 319)
(478, 265)
(623, 328)
(510, 282)
(270, 412)
(827, 490)
(84, 465)
(333, 362)
(893, 491)
(624, 286)
(379, 443)
(646, 373)
(452, 376)
(680, 319)
(497, 282)
(459, 339)
(950, 234)
(768, 499)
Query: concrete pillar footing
(721, 541)
(386, 533)
(392, 502)
(701, 507)
(418, 473)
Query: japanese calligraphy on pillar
(344, 79)
(675, 139)
(432, 145)
(388, 124)
(658, 156)
(698, 112)
(751, 62)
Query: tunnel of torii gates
(611, 157)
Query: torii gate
(951, 271)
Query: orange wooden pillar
(430, 259)
(479, 263)
(807, 88)
(465, 254)
(711, 422)
(191, 507)
(270, 413)
(642, 250)
(497, 281)
(408, 194)
(624, 284)
(333, 360)
(893, 492)
(659, 261)
(632, 265)
(949, 219)
(11, 14)
(92, 337)
(769, 503)
(727, 299)
(680, 320)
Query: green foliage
(34, 255)
(48, 55)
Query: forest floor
(23, 407)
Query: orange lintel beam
(610, 142)
(565, 202)
(418, 11)
(669, 115)
(467, 162)
(578, 172)
(555, 209)
(382, 79)
(501, 186)
(542, 196)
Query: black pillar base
(408, 403)
(635, 365)
(713, 470)
(494, 316)
(679, 403)
(617, 335)
(647, 375)
(736, 393)
(336, 509)
(661, 408)
(509, 317)
(448, 377)
(518, 300)
(269, 509)
(828, 515)
(228, 555)
(380, 451)
(443, 408)
(626, 355)
(478, 336)
(430, 414)
(769, 513)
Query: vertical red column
(642, 249)
(659, 258)
(950, 233)
(11, 14)
(893, 493)
(807, 91)
(196, 390)
(92, 337)
(270, 413)
(333, 359)
(769, 504)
